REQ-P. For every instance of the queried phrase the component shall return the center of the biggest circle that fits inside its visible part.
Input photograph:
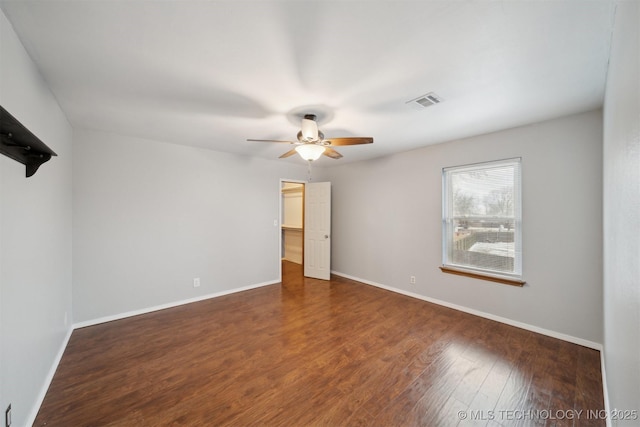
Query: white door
(317, 230)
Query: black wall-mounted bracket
(18, 143)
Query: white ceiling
(213, 73)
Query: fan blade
(330, 152)
(349, 141)
(289, 153)
(271, 140)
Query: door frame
(280, 205)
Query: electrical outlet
(412, 280)
(7, 417)
(196, 282)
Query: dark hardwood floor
(314, 353)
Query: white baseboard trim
(47, 381)
(532, 328)
(119, 316)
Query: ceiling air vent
(427, 100)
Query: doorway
(305, 226)
(292, 221)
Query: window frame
(510, 278)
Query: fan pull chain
(308, 170)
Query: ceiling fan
(311, 143)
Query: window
(482, 221)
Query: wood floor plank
(317, 353)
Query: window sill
(481, 276)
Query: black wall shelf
(18, 143)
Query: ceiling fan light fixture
(309, 128)
(310, 152)
(311, 144)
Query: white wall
(622, 212)
(150, 216)
(35, 238)
(387, 224)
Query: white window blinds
(482, 218)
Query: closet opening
(292, 221)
